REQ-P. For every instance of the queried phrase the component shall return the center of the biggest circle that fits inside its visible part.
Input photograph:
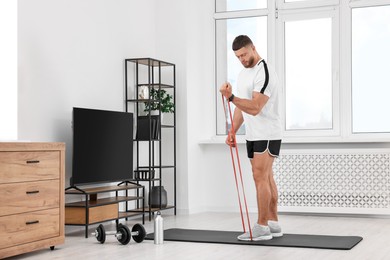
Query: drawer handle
(32, 192)
(33, 161)
(32, 222)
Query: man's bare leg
(261, 165)
(273, 206)
(262, 168)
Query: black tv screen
(102, 146)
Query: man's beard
(251, 62)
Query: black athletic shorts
(261, 146)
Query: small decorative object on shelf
(155, 197)
(143, 175)
(143, 92)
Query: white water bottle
(158, 229)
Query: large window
(370, 69)
(330, 58)
(308, 74)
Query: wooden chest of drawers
(31, 197)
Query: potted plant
(159, 100)
(147, 126)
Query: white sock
(273, 223)
(262, 226)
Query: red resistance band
(234, 146)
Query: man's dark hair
(241, 41)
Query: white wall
(171, 45)
(71, 53)
(8, 70)
(200, 102)
(185, 34)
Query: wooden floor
(374, 230)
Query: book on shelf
(148, 128)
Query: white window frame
(282, 5)
(346, 60)
(310, 135)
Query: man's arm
(238, 119)
(250, 106)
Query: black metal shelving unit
(156, 74)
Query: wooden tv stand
(94, 209)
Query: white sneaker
(259, 233)
(276, 230)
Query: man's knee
(261, 176)
(261, 172)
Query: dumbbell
(123, 234)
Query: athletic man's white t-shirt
(267, 124)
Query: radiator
(341, 181)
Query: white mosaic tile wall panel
(347, 180)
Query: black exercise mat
(287, 240)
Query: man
(257, 104)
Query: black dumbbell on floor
(123, 234)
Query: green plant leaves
(160, 100)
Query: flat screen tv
(102, 146)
